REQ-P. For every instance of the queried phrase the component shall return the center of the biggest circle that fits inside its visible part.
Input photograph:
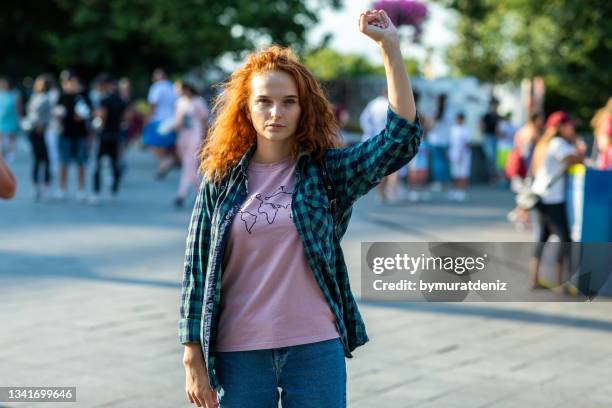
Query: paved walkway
(90, 299)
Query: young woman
(191, 119)
(555, 151)
(39, 115)
(266, 300)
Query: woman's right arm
(197, 385)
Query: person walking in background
(518, 163)
(74, 111)
(460, 158)
(110, 112)
(418, 172)
(38, 116)
(133, 123)
(489, 126)
(555, 151)
(10, 111)
(158, 133)
(8, 183)
(372, 121)
(602, 130)
(192, 125)
(343, 116)
(275, 201)
(438, 139)
(54, 129)
(528, 136)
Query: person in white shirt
(460, 158)
(373, 120)
(439, 141)
(158, 133)
(555, 151)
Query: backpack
(515, 165)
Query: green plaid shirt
(353, 171)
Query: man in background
(489, 125)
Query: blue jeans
(489, 147)
(310, 376)
(440, 166)
(73, 149)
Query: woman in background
(555, 151)
(38, 116)
(191, 118)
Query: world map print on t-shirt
(265, 208)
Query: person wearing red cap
(556, 150)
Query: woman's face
(274, 106)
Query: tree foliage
(129, 36)
(328, 64)
(568, 42)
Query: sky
(438, 33)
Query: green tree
(131, 36)
(328, 64)
(568, 42)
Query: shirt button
(228, 217)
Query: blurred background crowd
(116, 76)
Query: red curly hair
(232, 132)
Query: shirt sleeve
(560, 149)
(356, 170)
(196, 254)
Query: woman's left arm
(357, 169)
(378, 26)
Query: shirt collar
(243, 164)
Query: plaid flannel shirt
(353, 171)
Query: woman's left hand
(377, 25)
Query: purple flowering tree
(404, 13)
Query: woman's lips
(275, 128)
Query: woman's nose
(276, 111)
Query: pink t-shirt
(269, 296)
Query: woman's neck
(271, 152)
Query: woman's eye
(291, 101)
